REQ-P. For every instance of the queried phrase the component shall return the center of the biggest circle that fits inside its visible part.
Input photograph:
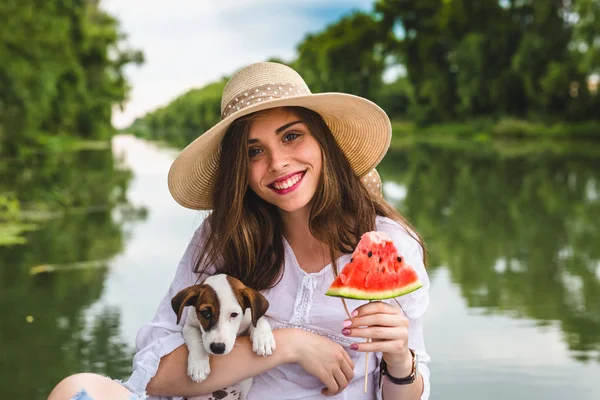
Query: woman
(282, 173)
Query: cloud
(197, 42)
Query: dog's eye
(234, 314)
(205, 314)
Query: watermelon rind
(352, 293)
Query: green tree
(524, 58)
(423, 48)
(586, 34)
(347, 56)
(61, 71)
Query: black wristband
(399, 381)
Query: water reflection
(517, 230)
(512, 230)
(46, 331)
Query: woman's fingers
(376, 332)
(342, 373)
(377, 307)
(340, 379)
(332, 386)
(348, 369)
(348, 360)
(386, 346)
(377, 320)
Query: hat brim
(360, 127)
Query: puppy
(224, 308)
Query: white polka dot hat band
(270, 91)
(360, 127)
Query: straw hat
(360, 127)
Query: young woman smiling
(290, 179)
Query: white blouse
(297, 301)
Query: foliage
(488, 129)
(61, 71)
(345, 57)
(520, 58)
(586, 35)
(396, 97)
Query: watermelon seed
(352, 259)
(370, 254)
(379, 259)
(399, 259)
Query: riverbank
(483, 130)
(405, 133)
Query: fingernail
(347, 323)
(345, 331)
(354, 313)
(354, 346)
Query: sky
(198, 41)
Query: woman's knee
(97, 386)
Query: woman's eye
(253, 152)
(233, 315)
(291, 136)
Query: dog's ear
(256, 302)
(249, 298)
(185, 297)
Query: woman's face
(284, 160)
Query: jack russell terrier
(224, 309)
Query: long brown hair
(244, 232)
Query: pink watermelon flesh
(376, 271)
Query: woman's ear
(186, 297)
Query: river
(512, 230)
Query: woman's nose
(278, 160)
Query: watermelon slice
(375, 272)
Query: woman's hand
(387, 326)
(324, 359)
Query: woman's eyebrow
(278, 130)
(284, 127)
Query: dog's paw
(263, 342)
(198, 368)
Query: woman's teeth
(288, 182)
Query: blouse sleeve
(414, 304)
(163, 335)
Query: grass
(68, 144)
(507, 137)
(486, 130)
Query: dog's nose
(217, 348)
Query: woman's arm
(411, 391)
(241, 363)
(320, 357)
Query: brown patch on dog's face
(205, 301)
(249, 298)
(208, 308)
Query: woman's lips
(291, 181)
